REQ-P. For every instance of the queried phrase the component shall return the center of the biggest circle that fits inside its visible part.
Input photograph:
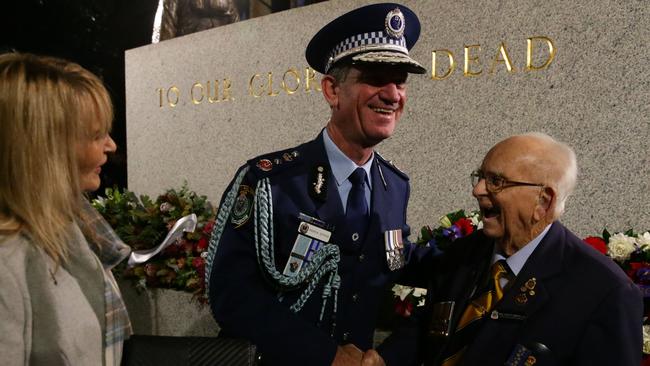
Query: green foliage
(143, 223)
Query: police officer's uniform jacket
(247, 302)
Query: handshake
(349, 355)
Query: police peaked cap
(375, 34)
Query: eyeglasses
(495, 183)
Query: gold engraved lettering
(271, 93)
(505, 59)
(529, 53)
(160, 93)
(310, 79)
(250, 86)
(450, 69)
(296, 76)
(200, 87)
(174, 90)
(466, 70)
(213, 97)
(227, 85)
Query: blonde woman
(59, 303)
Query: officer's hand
(347, 355)
(372, 358)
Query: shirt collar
(516, 261)
(341, 165)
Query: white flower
(475, 217)
(646, 339)
(620, 247)
(166, 207)
(417, 292)
(643, 240)
(421, 295)
(445, 222)
(101, 201)
(402, 291)
(422, 301)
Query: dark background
(95, 34)
(91, 33)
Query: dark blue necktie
(356, 211)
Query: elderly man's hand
(347, 355)
(372, 358)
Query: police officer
(307, 239)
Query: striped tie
(476, 310)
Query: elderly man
(525, 290)
(308, 238)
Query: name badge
(394, 249)
(314, 232)
(312, 235)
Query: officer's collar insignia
(242, 207)
(395, 23)
(318, 182)
(289, 156)
(265, 165)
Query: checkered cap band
(366, 42)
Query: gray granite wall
(593, 94)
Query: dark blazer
(246, 305)
(582, 309)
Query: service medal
(394, 249)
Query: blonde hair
(47, 106)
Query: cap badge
(395, 23)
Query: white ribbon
(184, 224)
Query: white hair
(563, 161)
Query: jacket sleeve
(246, 305)
(15, 335)
(614, 336)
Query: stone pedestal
(167, 312)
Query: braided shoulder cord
(325, 260)
(219, 225)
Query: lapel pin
(531, 283)
(521, 299)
